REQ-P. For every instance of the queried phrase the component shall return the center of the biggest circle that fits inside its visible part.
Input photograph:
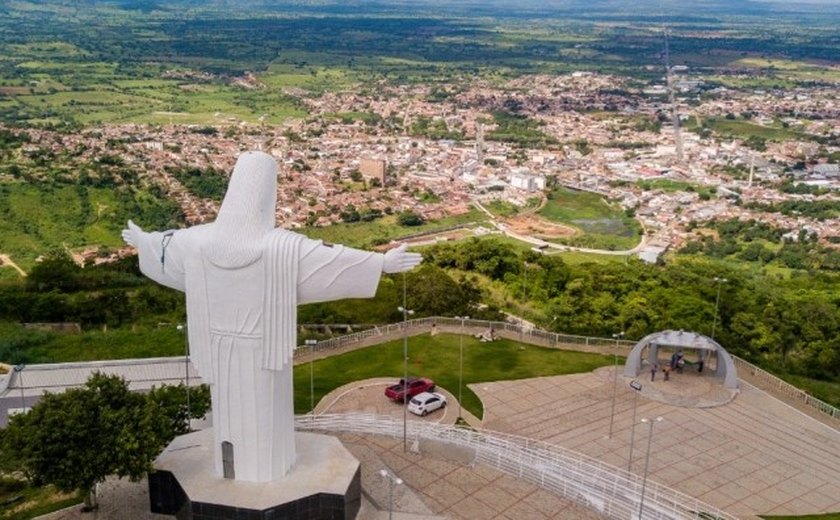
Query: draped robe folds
(242, 326)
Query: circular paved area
(368, 396)
(689, 389)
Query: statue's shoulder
(279, 236)
(192, 232)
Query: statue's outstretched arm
(161, 257)
(399, 259)
(131, 234)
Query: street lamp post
(461, 361)
(650, 423)
(637, 387)
(392, 480)
(406, 313)
(187, 373)
(720, 282)
(19, 370)
(617, 336)
(311, 344)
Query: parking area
(368, 396)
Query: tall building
(373, 169)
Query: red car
(416, 385)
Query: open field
(744, 130)
(603, 225)
(37, 218)
(368, 234)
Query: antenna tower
(479, 142)
(675, 116)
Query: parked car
(416, 385)
(426, 402)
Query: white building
(527, 181)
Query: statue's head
(247, 212)
(251, 199)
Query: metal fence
(775, 385)
(612, 491)
(526, 333)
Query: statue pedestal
(324, 483)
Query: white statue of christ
(243, 280)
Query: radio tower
(675, 116)
(479, 142)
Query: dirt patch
(539, 227)
(12, 91)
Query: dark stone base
(178, 488)
(168, 498)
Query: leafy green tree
(55, 271)
(76, 439)
(409, 218)
(434, 293)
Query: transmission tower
(479, 142)
(675, 116)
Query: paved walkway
(754, 455)
(433, 489)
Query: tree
(409, 218)
(75, 439)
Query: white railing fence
(527, 334)
(613, 492)
(778, 386)
(533, 335)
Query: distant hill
(588, 9)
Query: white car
(426, 402)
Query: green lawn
(437, 357)
(23, 501)
(577, 257)
(602, 225)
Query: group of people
(677, 363)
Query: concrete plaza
(753, 455)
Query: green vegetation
(670, 185)
(744, 129)
(38, 216)
(603, 225)
(787, 325)
(207, 183)
(23, 500)
(435, 129)
(386, 229)
(762, 244)
(437, 357)
(518, 129)
(75, 439)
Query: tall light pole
(720, 282)
(461, 361)
(637, 387)
(19, 370)
(187, 372)
(311, 344)
(405, 312)
(392, 480)
(650, 423)
(617, 336)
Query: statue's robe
(242, 329)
